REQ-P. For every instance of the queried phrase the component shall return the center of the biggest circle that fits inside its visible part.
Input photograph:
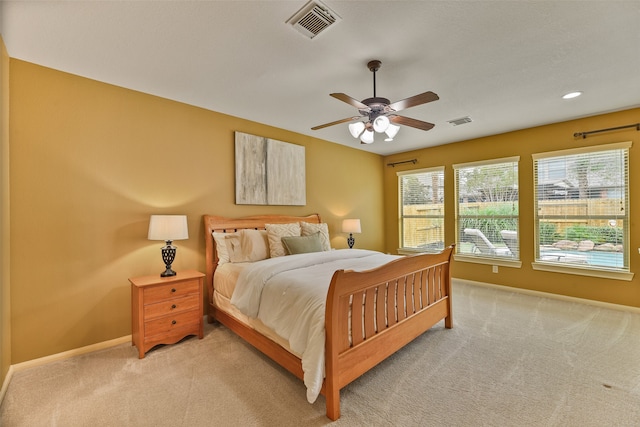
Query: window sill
(503, 262)
(592, 272)
(405, 251)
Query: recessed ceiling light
(571, 95)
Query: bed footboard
(391, 306)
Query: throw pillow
(275, 233)
(302, 244)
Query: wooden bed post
(445, 278)
(331, 386)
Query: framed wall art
(269, 172)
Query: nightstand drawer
(168, 324)
(174, 305)
(170, 290)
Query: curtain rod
(414, 161)
(584, 134)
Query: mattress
(225, 279)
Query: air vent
(313, 18)
(460, 121)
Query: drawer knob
(173, 289)
(173, 306)
(173, 322)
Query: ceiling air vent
(460, 121)
(313, 18)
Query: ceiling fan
(377, 114)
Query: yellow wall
(524, 143)
(90, 162)
(5, 308)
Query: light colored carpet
(511, 360)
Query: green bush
(548, 233)
(597, 235)
(491, 227)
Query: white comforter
(289, 293)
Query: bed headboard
(229, 225)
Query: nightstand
(164, 310)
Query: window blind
(487, 208)
(421, 209)
(581, 207)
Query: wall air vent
(460, 121)
(313, 18)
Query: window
(582, 207)
(421, 210)
(487, 210)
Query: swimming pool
(596, 258)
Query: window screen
(487, 208)
(581, 207)
(422, 210)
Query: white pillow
(248, 246)
(221, 246)
(309, 229)
(275, 233)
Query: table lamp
(168, 228)
(351, 226)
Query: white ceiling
(505, 64)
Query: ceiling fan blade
(337, 122)
(349, 100)
(418, 124)
(420, 99)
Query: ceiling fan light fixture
(356, 129)
(392, 131)
(375, 111)
(380, 124)
(367, 137)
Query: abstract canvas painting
(269, 172)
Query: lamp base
(168, 255)
(168, 272)
(351, 241)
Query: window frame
(404, 250)
(495, 260)
(580, 269)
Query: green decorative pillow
(302, 244)
(308, 229)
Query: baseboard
(71, 353)
(541, 294)
(5, 383)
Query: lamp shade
(391, 131)
(168, 227)
(356, 129)
(351, 226)
(367, 137)
(380, 124)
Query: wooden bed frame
(400, 301)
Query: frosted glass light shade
(367, 137)
(356, 129)
(380, 124)
(168, 227)
(391, 132)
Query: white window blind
(421, 210)
(487, 208)
(582, 207)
